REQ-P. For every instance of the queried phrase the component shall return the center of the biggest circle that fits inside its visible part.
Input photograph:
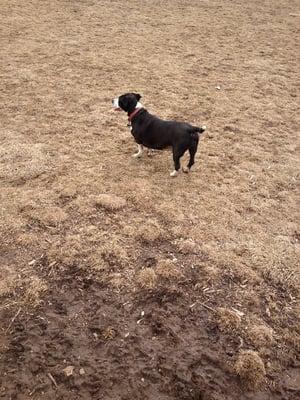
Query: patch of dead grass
(68, 251)
(116, 280)
(147, 278)
(188, 246)
(167, 270)
(83, 205)
(9, 281)
(34, 291)
(28, 240)
(228, 320)
(21, 160)
(109, 202)
(51, 216)
(260, 335)
(89, 251)
(148, 231)
(250, 368)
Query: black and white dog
(155, 133)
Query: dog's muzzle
(115, 103)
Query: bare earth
(118, 282)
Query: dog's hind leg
(177, 153)
(192, 150)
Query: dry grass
(15, 289)
(21, 160)
(188, 246)
(110, 202)
(148, 231)
(260, 335)
(8, 281)
(228, 320)
(51, 216)
(250, 368)
(168, 270)
(72, 196)
(147, 278)
(35, 291)
(109, 333)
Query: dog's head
(127, 102)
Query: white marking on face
(140, 152)
(174, 173)
(139, 105)
(116, 102)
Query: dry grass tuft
(68, 192)
(188, 246)
(109, 202)
(250, 368)
(113, 253)
(52, 216)
(67, 252)
(168, 270)
(83, 205)
(28, 239)
(36, 287)
(117, 281)
(109, 333)
(228, 320)
(21, 161)
(93, 252)
(260, 335)
(150, 231)
(8, 281)
(284, 275)
(147, 278)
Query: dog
(155, 133)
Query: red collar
(133, 114)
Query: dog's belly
(155, 146)
(151, 141)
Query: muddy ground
(118, 282)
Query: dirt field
(118, 282)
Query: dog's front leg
(139, 152)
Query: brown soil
(118, 282)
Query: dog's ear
(138, 96)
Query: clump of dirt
(250, 368)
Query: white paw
(174, 173)
(186, 170)
(137, 155)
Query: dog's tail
(199, 130)
(195, 130)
